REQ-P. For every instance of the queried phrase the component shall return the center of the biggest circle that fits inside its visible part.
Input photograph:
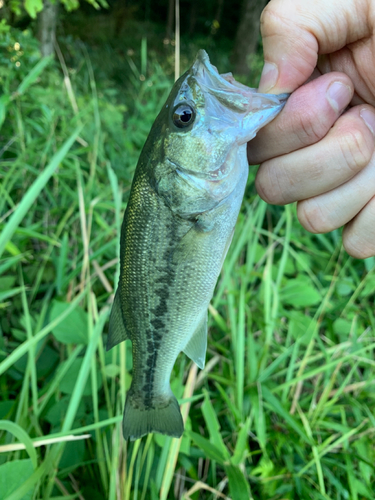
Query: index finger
(306, 118)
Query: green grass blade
(276, 406)
(33, 75)
(34, 191)
(238, 485)
(210, 449)
(213, 425)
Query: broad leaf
(300, 293)
(12, 474)
(73, 330)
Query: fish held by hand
(184, 202)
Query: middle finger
(321, 167)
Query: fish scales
(178, 225)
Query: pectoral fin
(117, 332)
(197, 345)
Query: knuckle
(268, 187)
(268, 16)
(309, 129)
(313, 218)
(262, 187)
(355, 149)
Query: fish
(179, 221)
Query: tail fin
(138, 422)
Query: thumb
(295, 32)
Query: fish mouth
(228, 91)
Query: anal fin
(117, 332)
(197, 345)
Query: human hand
(313, 153)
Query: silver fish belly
(177, 228)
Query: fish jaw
(241, 109)
(255, 120)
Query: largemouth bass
(184, 202)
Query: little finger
(359, 234)
(332, 210)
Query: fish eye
(183, 115)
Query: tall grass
(285, 406)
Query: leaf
(369, 287)
(21, 493)
(4, 100)
(241, 444)
(70, 4)
(111, 370)
(7, 263)
(238, 485)
(5, 408)
(185, 440)
(23, 437)
(73, 330)
(7, 282)
(32, 7)
(299, 325)
(68, 383)
(46, 361)
(56, 414)
(345, 286)
(213, 425)
(363, 489)
(342, 326)
(300, 293)
(259, 418)
(33, 75)
(210, 450)
(369, 263)
(73, 455)
(7, 294)
(14, 473)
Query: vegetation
(285, 408)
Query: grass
(285, 406)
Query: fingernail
(339, 95)
(369, 118)
(270, 74)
